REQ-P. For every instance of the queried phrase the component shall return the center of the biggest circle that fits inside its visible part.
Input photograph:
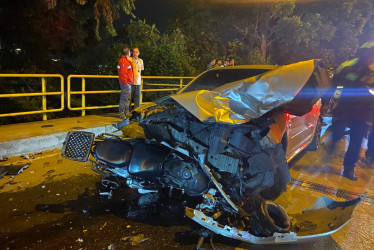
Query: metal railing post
(43, 93)
(44, 98)
(166, 88)
(83, 96)
(141, 90)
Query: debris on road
(111, 247)
(101, 228)
(135, 240)
(109, 194)
(25, 156)
(121, 124)
(3, 158)
(79, 240)
(12, 169)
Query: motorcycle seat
(113, 152)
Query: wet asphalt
(56, 204)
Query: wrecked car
(224, 140)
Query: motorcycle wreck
(225, 146)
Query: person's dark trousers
(124, 100)
(337, 131)
(370, 150)
(358, 131)
(135, 95)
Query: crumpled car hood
(240, 101)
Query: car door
(300, 130)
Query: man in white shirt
(138, 67)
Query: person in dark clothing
(354, 105)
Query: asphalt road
(56, 204)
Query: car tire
(316, 142)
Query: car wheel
(316, 142)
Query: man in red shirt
(126, 80)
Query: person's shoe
(350, 175)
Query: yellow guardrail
(83, 92)
(44, 94)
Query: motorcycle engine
(185, 175)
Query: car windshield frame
(217, 77)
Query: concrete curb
(46, 142)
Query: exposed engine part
(179, 149)
(267, 169)
(224, 163)
(234, 149)
(216, 215)
(219, 187)
(241, 142)
(146, 191)
(121, 172)
(110, 182)
(132, 183)
(185, 175)
(209, 200)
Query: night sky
(158, 11)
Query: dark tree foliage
(87, 36)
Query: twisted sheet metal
(240, 101)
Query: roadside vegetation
(87, 36)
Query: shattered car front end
(216, 141)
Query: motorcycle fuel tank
(146, 161)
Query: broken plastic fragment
(325, 217)
(12, 169)
(3, 158)
(135, 239)
(121, 124)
